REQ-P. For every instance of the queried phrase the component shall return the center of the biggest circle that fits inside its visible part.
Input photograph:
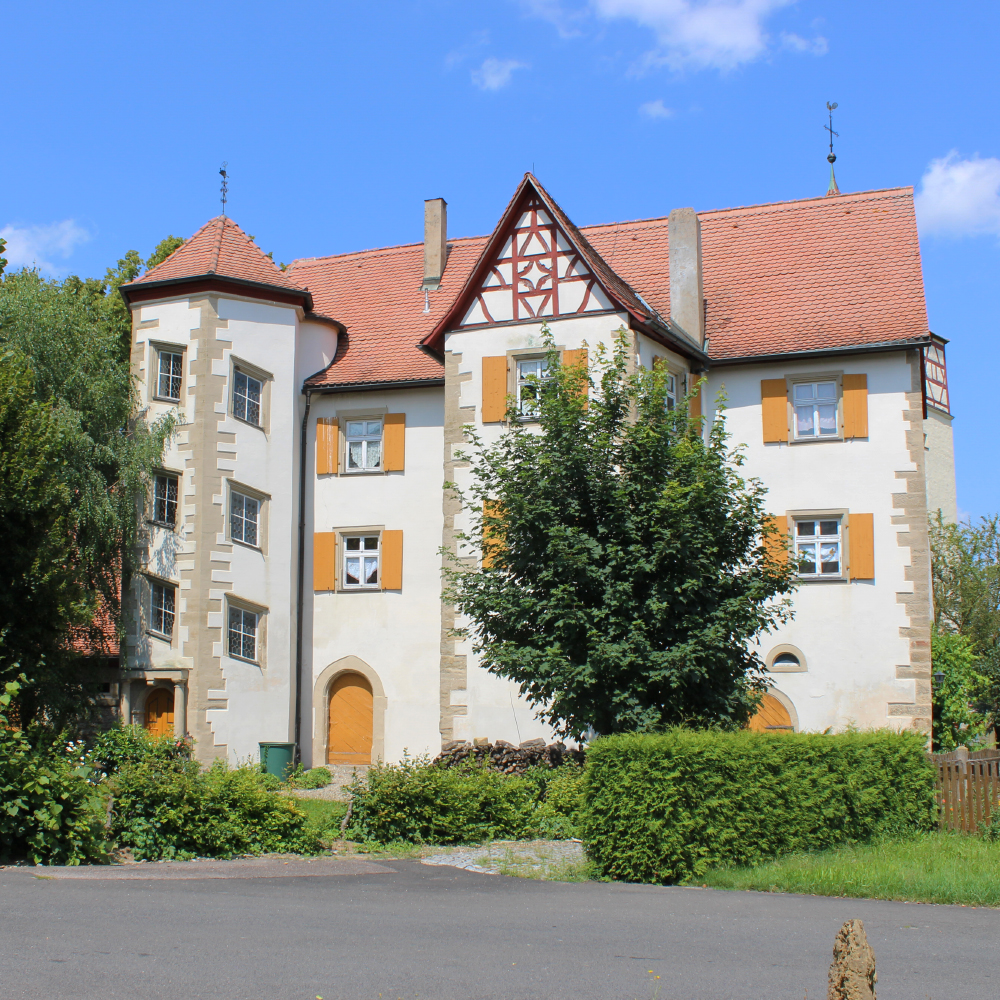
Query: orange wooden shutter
(855, 406)
(574, 358)
(774, 409)
(393, 441)
(777, 545)
(492, 546)
(694, 407)
(327, 450)
(494, 389)
(392, 560)
(861, 546)
(325, 560)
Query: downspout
(300, 598)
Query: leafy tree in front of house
(75, 461)
(629, 565)
(965, 570)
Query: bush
(173, 809)
(123, 745)
(49, 814)
(416, 802)
(664, 808)
(315, 777)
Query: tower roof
(220, 250)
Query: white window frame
(360, 553)
(166, 477)
(815, 381)
(172, 352)
(365, 439)
(239, 615)
(246, 498)
(839, 539)
(672, 383)
(240, 373)
(525, 408)
(160, 615)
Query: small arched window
(787, 660)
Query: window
(171, 370)
(246, 397)
(243, 633)
(364, 445)
(815, 405)
(671, 391)
(531, 373)
(818, 549)
(161, 609)
(165, 499)
(361, 561)
(244, 514)
(789, 661)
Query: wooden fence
(968, 788)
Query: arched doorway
(160, 712)
(771, 717)
(351, 721)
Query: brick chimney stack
(435, 242)
(687, 295)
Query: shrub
(123, 745)
(664, 808)
(49, 814)
(416, 802)
(173, 809)
(315, 777)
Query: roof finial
(832, 157)
(225, 185)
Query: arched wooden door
(771, 717)
(352, 721)
(160, 712)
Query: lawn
(929, 868)
(323, 815)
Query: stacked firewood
(505, 757)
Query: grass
(324, 815)
(926, 868)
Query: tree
(965, 573)
(956, 720)
(627, 565)
(75, 462)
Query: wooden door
(160, 712)
(771, 717)
(352, 721)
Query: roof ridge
(823, 199)
(219, 233)
(386, 249)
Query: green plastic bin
(277, 758)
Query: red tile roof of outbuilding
(220, 248)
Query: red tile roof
(98, 639)
(789, 277)
(219, 248)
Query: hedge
(663, 808)
(419, 802)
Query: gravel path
(531, 858)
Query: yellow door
(771, 717)
(160, 712)
(352, 721)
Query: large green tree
(75, 461)
(629, 565)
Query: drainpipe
(300, 598)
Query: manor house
(292, 571)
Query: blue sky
(337, 119)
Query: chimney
(687, 297)
(435, 242)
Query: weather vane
(832, 157)
(225, 183)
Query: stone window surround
(263, 509)
(235, 601)
(146, 581)
(776, 651)
(177, 474)
(828, 376)
(156, 347)
(264, 377)
(366, 413)
(845, 541)
(341, 533)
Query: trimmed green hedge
(664, 808)
(416, 801)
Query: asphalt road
(355, 930)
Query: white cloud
(960, 197)
(33, 246)
(495, 73)
(476, 41)
(715, 34)
(656, 109)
